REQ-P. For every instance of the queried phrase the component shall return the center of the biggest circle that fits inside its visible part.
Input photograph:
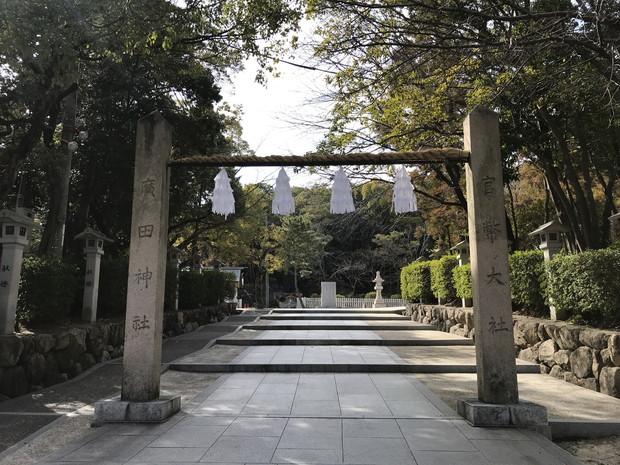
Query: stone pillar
(174, 260)
(328, 294)
(379, 302)
(140, 401)
(15, 236)
(93, 249)
(147, 261)
(197, 263)
(488, 243)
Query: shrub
(528, 280)
(415, 282)
(48, 288)
(370, 295)
(442, 280)
(395, 296)
(462, 281)
(206, 288)
(586, 284)
(170, 290)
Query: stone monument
(140, 400)
(498, 395)
(328, 294)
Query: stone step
(346, 342)
(333, 368)
(393, 310)
(337, 316)
(342, 326)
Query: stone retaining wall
(583, 356)
(32, 361)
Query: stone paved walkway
(314, 417)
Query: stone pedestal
(93, 249)
(14, 238)
(488, 244)
(119, 411)
(522, 414)
(328, 294)
(379, 302)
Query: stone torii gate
(498, 398)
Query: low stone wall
(577, 354)
(32, 361)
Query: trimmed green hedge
(415, 282)
(528, 280)
(48, 288)
(442, 280)
(586, 284)
(462, 281)
(206, 288)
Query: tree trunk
(54, 232)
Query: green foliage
(206, 288)
(442, 279)
(48, 288)
(415, 282)
(586, 284)
(395, 296)
(370, 295)
(113, 277)
(462, 281)
(527, 281)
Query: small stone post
(498, 396)
(174, 260)
(140, 399)
(379, 302)
(550, 242)
(15, 236)
(462, 255)
(93, 249)
(488, 243)
(328, 294)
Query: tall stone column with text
(498, 396)
(495, 355)
(147, 261)
(140, 400)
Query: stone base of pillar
(378, 303)
(119, 411)
(524, 415)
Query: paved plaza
(276, 410)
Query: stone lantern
(614, 222)
(93, 249)
(462, 252)
(196, 263)
(174, 260)
(379, 302)
(550, 239)
(15, 236)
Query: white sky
(269, 115)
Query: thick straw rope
(384, 158)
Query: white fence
(351, 302)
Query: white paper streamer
(342, 200)
(283, 203)
(223, 199)
(404, 198)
